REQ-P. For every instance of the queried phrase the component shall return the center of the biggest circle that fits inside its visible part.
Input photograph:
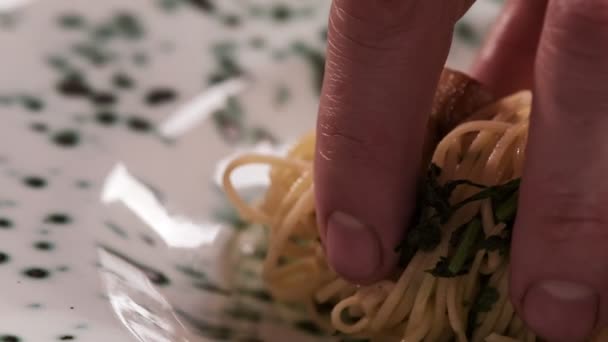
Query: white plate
(112, 223)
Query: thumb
(384, 59)
(559, 275)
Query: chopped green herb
(315, 59)
(281, 12)
(128, 25)
(435, 210)
(168, 5)
(73, 85)
(71, 21)
(486, 299)
(103, 33)
(139, 124)
(31, 103)
(484, 302)
(92, 53)
(497, 243)
(471, 236)
(442, 269)
(204, 5)
(122, 80)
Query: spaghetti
(414, 304)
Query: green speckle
(83, 184)
(34, 182)
(44, 245)
(92, 53)
(63, 268)
(228, 66)
(232, 20)
(282, 95)
(36, 273)
(40, 127)
(207, 329)
(191, 272)
(256, 11)
(59, 63)
(73, 85)
(168, 5)
(66, 138)
(281, 12)
(82, 326)
(9, 338)
(259, 134)
(34, 306)
(259, 253)
(32, 103)
(259, 294)
(279, 55)
(315, 59)
(6, 203)
(244, 313)
(160, 95)
(155, 276)
(209, 287)
(71, 21)
(139, 124)
(103, 98)
(323, 35)
(140, 58)
(106, 118)
(103, 33)
(257, 42)
(4, 258)
(203, 5)
(123, 81)
(6, 223)
(128, 25)
(309, 327)
(467, 33)
(116, 229)
(148, 240)
(6, 100)
(58, 219)
(230, 216)
(229, 120)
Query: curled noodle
(413, 305)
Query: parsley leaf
(486, 299)
(435, 210)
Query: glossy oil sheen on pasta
(413, 305)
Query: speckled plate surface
(117, 118)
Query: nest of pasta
(452, 284)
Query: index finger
(384, 60)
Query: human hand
(383, 62)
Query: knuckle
(381, 24)
(340, 145)
(586, 13)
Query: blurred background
(154, 95)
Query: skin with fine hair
(384, 60)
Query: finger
(505, 64)
(559, 269)
(383, 63)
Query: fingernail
(353, 249)
(560, 310)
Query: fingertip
(354, 250)
(561, 310)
